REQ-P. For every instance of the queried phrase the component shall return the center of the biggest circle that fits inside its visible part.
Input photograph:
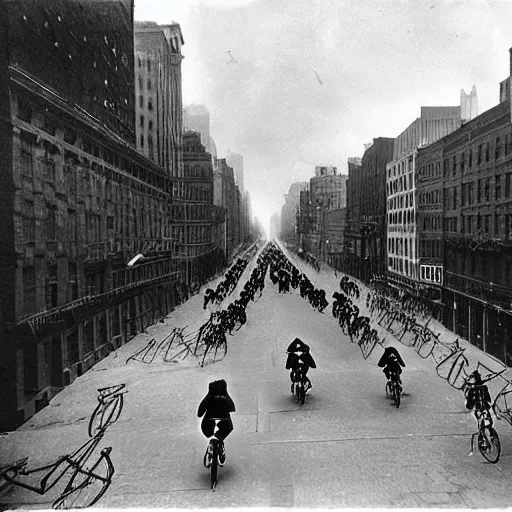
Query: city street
(346, 447)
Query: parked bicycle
(86, 482)
(110, 405)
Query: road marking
(363, 438)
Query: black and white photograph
(255, 254)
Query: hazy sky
(317, 79)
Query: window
(29, 224)
(51, 228)
(149, 65)
(506, 145)
(150, 104)
(142, 141)
(487, 190)
(149, 84)
(479, 155)
(497, 152)
(141, 123)
(29, 291)
(141, 101)
(150, 125)
(498, 188)
(487, 151)
(71, 232)
(454, 165)
(462, 157)
(470, 162)
(478, 191)
(140, 81)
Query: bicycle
(85, 485)
(394, 388)
(213, 454)
(300, 384)
(110, 405)
(488, 444)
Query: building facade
(288, 230)
(366, 253)
(78, 200)
(402, 240)
(193, 214)
(236, 161)
(159, 116)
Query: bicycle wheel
(87, 486)
(214, 466)
(489, 445)
(95, 421)
(395, 394)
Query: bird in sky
(318, 78)
(232, 58)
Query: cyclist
(477, 395)
(391, 362)
(298, 353)
(217, 404)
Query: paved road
(346, 447)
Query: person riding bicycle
(217, 404)
(391, 362)
(298, 353)
(477, 395)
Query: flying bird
(134, 260)
(232, 58)
(318, 78)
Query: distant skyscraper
(237, 162)
(197, 119)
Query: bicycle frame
(483, 416)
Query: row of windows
(479, 155)
(401, 246)
(141, 102)
(430, 248)
(402, 266)
(141, 83)
(401, 217)
(400, 184)
(45, 165)
(402, 201)
(141, 62)
(401, 168)
(430, 198)
(497, 225)
(432, 273)
(141, 123)
(430, 170)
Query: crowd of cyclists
(383, 305)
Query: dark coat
(385, 359)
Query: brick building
(78, 200)
(365, 230)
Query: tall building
(197, 118)
(78, 200)
(193, 213)
(365, 236)
(229, 202)
(274, 226)
(289, 212)
(236, 161)
(159, 117)
(402, 241)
